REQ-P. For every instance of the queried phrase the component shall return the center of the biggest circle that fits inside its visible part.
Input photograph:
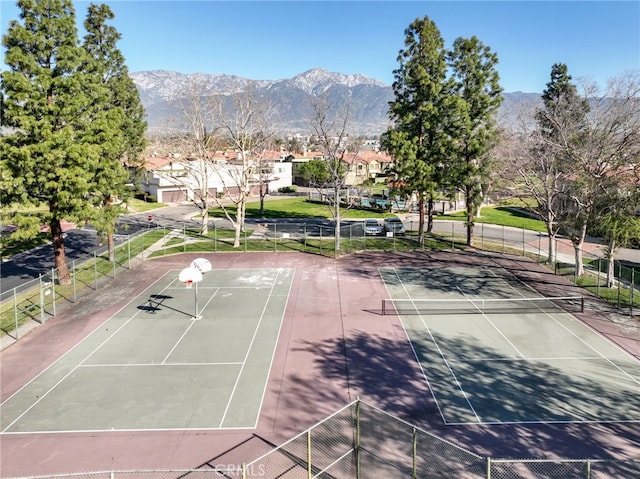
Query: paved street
(83, 242)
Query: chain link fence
(361, 441)
(41, 298)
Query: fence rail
(41, 298)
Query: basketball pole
(197, 315)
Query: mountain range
(291, 99)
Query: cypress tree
(475, 81)
(48, 157)
(418, 138)
(121, 126)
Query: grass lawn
(502, 216)
(295, 207)
(139, 206)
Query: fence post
(73, 276)
(488, 468)
(414, 453)
(452, 238)
(619, 283)
(357, 448)
(309, 468)
(524, 243)
(53, 290)
(633, 287)
(539, 247)
(41, 298)
(95, 270)
(588, 476)
(129, 251)
(15, 311)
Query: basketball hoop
(189, 276)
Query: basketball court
(175, 357)
(491, 357)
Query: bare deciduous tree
(330, 129)
(247, 128)
(198, 108)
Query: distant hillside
(368, 98)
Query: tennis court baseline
(154, 366)
(491, 360)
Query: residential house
(172, 179)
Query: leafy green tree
(475, 81)
(619, 221)
(49, 158)
(119, 126)
(418, 139)
(547, 166)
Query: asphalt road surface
(83, 242)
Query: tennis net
(570, 304)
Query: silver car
(372, 227)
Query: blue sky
(271, 40)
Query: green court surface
(154, 365)
(510, 366)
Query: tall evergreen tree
(418, 137)
(121, 126)
(562, 129)
(475, 81)
(48, 156)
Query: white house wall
(164, 182)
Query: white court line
(497, 360)
(470, 299)
(415, 354)
(273, 354)
(164, 365)
(244, 361)
(190, 326)
(446, 362)
(131, 430)
(580, 323)
(73, 369)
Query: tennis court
(492, 357)
(173, 358)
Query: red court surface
(334, 346)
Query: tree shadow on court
(537, 410)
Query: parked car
(394, 225)
(372, 227)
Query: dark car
(394, 225)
